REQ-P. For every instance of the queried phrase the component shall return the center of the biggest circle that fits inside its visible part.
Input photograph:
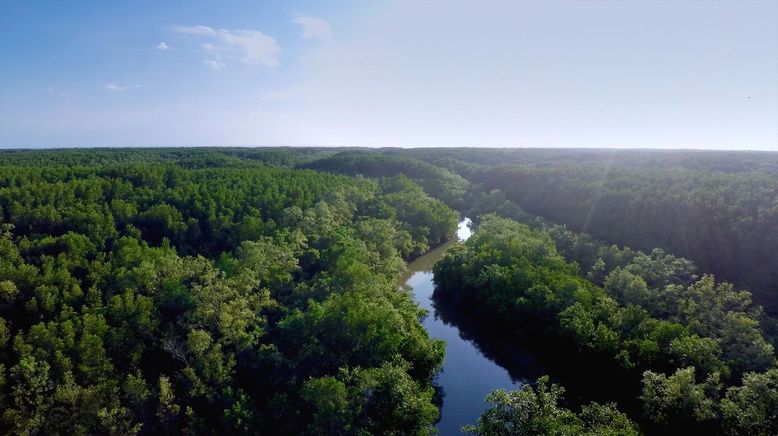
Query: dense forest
(145, 292)
(254, 290)
(719, 209)
(650, 317)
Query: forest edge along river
(480, 358)
(468, 375)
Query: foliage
(536, 411)
(204, 291)
(725, 220)
(704, 329)
(436, 181)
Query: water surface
(468, 374)
(481, 357)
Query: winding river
(481, 357)
(469, 370)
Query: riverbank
(467, 375)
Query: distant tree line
(436, 181)
(716, 208)
(726, 223)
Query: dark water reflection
(481, 357)
(527, 356)
(475, 359)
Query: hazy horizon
(500, 74)
(119, 147)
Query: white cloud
(314, 27)
(214, 64)
(256, 47)
(250, 47)
(162, 46)
(194, 30)
(113, 87)
(212, 50)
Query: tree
(167, 409)
(678, 401)
(753, 407)
(30, 396)
(536, 411)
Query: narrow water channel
(468, 375)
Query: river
(468, 374)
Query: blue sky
(652, 74)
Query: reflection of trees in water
(437, 399)
(424, 263)
(527, 356)
(520, 362)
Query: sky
(404, 73)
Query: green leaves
(753, 407)
(30, 396)
(202, 291)
(536, 411)
(645, 319)
(672, 401)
